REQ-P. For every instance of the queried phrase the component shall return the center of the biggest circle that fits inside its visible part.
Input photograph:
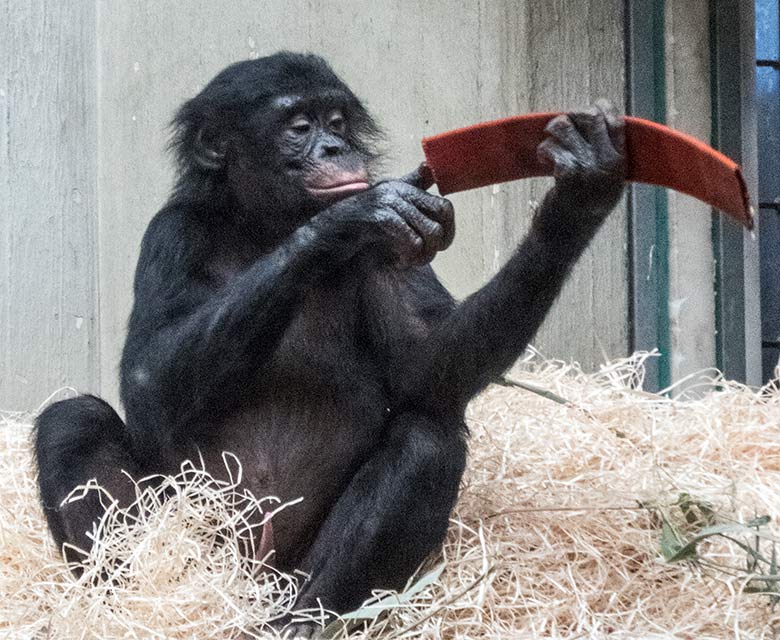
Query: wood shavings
(549, 538)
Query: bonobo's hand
(407, 224)
(587, 150)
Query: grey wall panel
(738, 307)
(48, 333)
(422, 67)
(691, 260)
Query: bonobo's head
(279, 136)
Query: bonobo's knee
(431, 460)
(76, 440)
(434, 450)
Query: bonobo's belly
(316, 413)
(302, 440)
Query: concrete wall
(422, 67)
(48, 241)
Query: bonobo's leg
(76, 440)
(393, 514)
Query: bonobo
(286, 310)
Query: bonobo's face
(295, 154)
(275, 140)
(315, 147)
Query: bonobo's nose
(330, 146)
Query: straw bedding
(566, 513)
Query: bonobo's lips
(336, 187)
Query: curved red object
(503, 150)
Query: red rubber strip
(503, 150)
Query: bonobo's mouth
(336, 187)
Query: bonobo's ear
(209, 152)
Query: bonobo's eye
(300, 125)
(336, 122)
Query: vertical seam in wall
(64, 369)
(751, 256)
(661, 201)
(631, 270)
(6, 240)
(715, 142)
(595, 344)
(484, 263)
(750, 281)
(98, 203)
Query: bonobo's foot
(587, 150)
(301, 631)
(294, 631)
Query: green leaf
(373, 609)
(759, 522)
(671, 542)
(688, 550)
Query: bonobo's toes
(301, 631)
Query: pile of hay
(566, 514)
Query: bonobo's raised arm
(489, 330)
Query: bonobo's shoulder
(173, 247)
(174, 236)
(173, 225)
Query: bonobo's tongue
(337, 184)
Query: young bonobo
(286, 311)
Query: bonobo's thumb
(421, 177)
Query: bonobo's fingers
(616, 125)
(437, 208)
(562, 160)
(592, 127)
(421, 177)
(406, 243)
(586, 149)
(562, 130)
(304, 631)
(407, 224)
(588, 137)
(430, 231)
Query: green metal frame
(648, 207)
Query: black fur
(308, 334)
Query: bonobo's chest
(327, 336)
(333, 347)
